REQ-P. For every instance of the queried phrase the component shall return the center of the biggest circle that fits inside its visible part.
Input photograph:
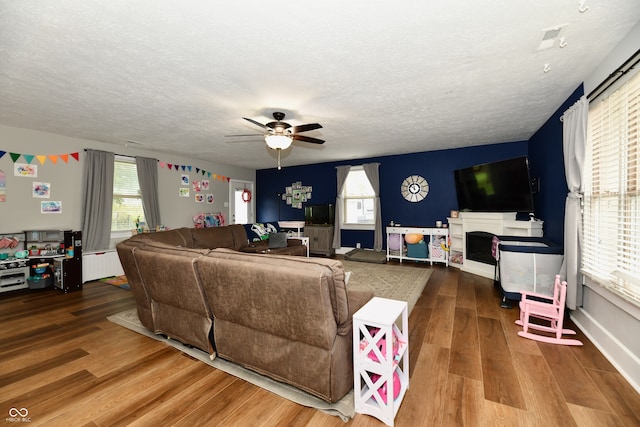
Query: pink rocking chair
(548, 309)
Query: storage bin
(526, 264)
(395, 242)
(436, 251)
(40, 281)
(417, 250)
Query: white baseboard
(616, 353)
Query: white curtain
(341, 176)
(371, 170)
(574, 141)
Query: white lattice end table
(380, 358)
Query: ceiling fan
(279, 135)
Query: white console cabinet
(432, 236)
(498, 223)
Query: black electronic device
(319, 214)
(502, 186)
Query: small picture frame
(454, 214)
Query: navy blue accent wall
(435, 166)
(546, 162)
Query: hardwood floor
(69, 366)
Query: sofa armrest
(356, 300)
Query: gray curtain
(97, 199)
(148, 180)
(341, 173)
(371, 170)
(574, 141)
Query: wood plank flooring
(68, 366)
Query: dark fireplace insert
(479, 247)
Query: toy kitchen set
(38, 259)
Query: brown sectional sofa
(286, 317)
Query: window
(611, 249)
(359, 201)
(127, 202)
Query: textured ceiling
(381, 77)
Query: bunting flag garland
(42, 158)
(198, 171)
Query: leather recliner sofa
(286, 317)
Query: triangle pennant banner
(53, 158)
(15, 156)
(170, 166)
(162, 164)
(28, 157)
(64, 157)
(2, 153)
(176, 167)
(189, 167)
(41, 159)
(204, 172)
(209, 174)
(182, 168)
(76, 156)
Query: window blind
(127, 201)
(611, 227)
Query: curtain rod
(121, 155)
(374, 163)
(620, 72)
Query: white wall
(608, 320)
(21, 210)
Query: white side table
(380, 358)
(305, 241)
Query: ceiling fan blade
(257, 123)
(249, 134)
(305, 128)
(307, 139)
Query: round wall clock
(414, 188)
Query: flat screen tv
(319, 214)
(503, 186)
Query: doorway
(241, 202)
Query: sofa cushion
(277, 240)
(177, 237)
(213, 237)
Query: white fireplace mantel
(498, 223)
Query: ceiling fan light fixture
(281, 142)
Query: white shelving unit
(430, 235)
(379, 366)
(456, 245)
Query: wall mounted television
(319, 214)
(502, 186)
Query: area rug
(119, 281)
(399, 282)
(366, 255)
(403, 283)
